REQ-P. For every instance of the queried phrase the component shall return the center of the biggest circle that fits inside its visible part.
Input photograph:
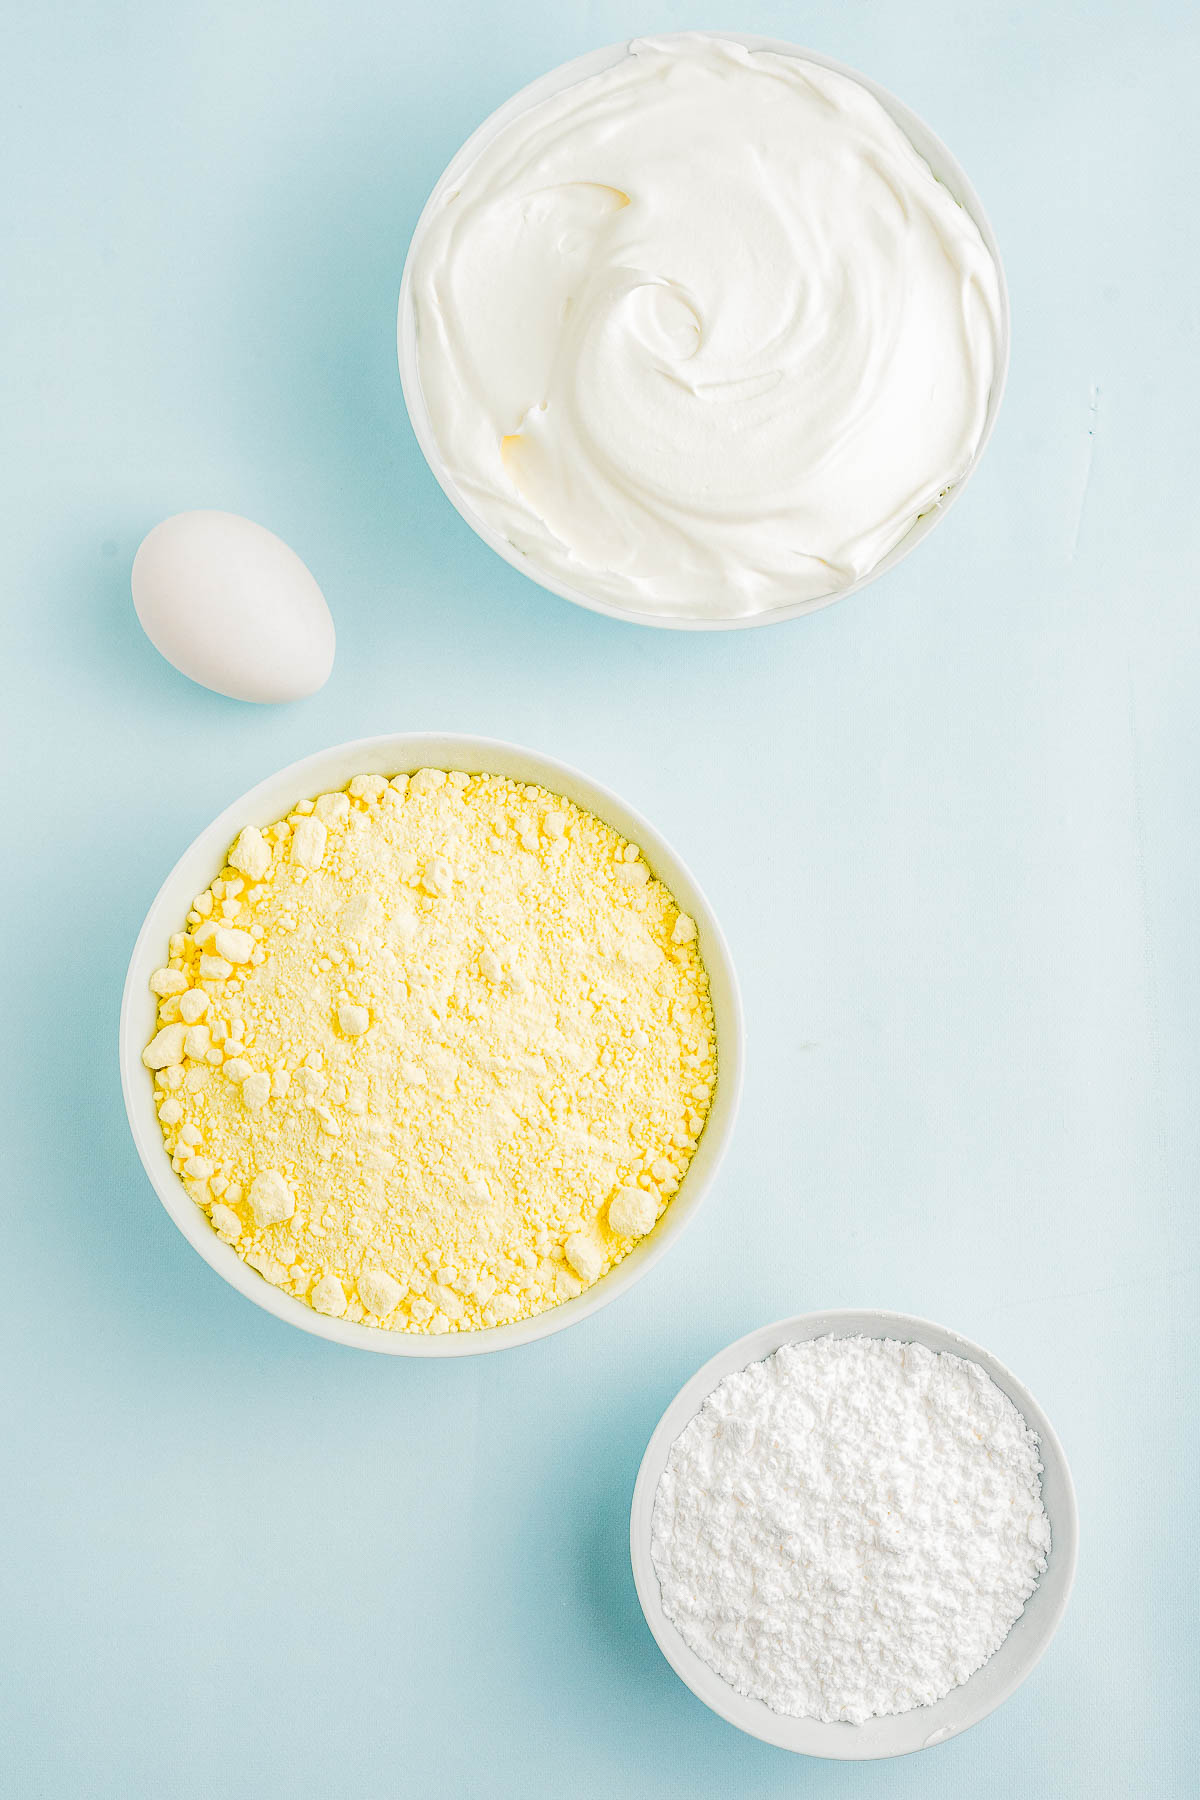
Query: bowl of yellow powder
(430, 1045)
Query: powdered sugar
(851, 1527)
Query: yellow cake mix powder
(433, 1053)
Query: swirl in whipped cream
(703, 335)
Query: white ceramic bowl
(944, 166)
(270, 800)
(924, 1726)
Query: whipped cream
(703, 335)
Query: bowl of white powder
(853, 1534)
(703, 331)
(384, 1079)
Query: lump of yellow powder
(457, 1050)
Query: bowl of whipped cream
(853, 1534)
(703, 331)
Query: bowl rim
(946, 168)
(303, 779)
(924, 1726)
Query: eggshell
(232, 607)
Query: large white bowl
(924, 1726)
(270, 800)
(948, 171)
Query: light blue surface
(950, 827)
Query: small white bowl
(270, 800)
(947, 170)
(924, 1726)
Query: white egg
(232, 607)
